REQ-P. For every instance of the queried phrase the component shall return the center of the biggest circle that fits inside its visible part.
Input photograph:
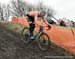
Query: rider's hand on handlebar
(49, 27)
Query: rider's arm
(44, 20)
(35, 18)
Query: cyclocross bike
(42, 38)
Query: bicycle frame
(40, 31)
(37, 37)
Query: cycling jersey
(32, 15)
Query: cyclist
(32, 16)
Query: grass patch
(13, 26)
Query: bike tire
(25, 35)
(39, 44)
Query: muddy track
(11, 47)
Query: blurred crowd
(61, 22)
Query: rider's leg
(31, 29)
(31, 24)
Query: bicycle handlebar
(49, 27)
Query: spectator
(62, 23)
(72, 23)
(51, 22)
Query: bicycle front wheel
(25, 35)
(43, 42)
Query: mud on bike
(41, 38)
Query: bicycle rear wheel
(25, 35)
(43, 42)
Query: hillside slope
(11, 46)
